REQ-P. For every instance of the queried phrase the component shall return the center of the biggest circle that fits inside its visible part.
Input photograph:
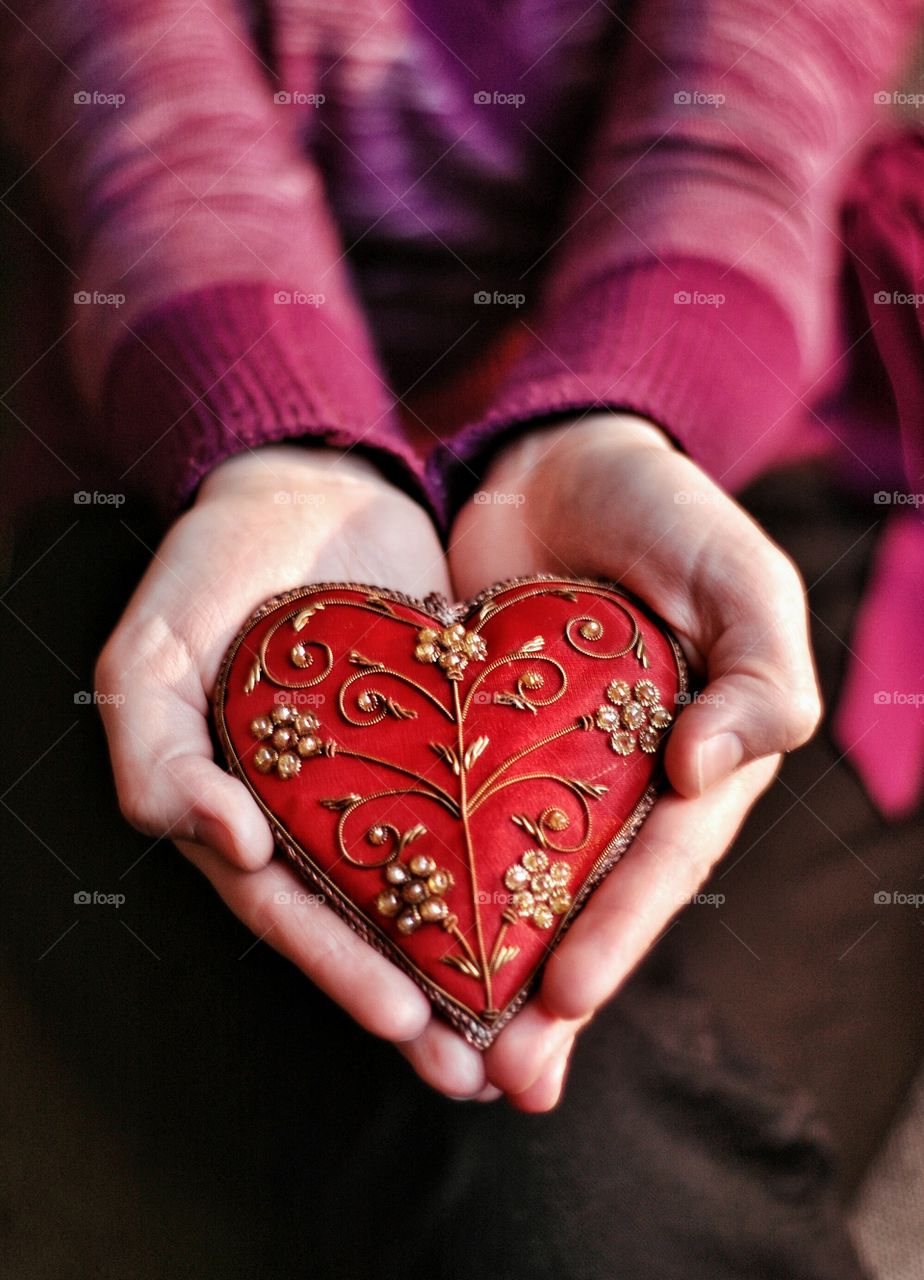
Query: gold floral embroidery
(416, 889)
(286, 738)
(452, 649)
(539, 888)
(633, 716)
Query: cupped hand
(609, 496)
(263, 522)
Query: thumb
(166, 780)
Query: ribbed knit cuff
(234, 366)
(707, 354)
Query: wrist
(286, 467)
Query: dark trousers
(179, 1101)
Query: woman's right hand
(265, 521)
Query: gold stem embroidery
(515, 759)
(469, 850)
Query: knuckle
(802, 716)
(104, 673)
(781, 580)
(136, 808)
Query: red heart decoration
(455, 779)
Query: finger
(523, 1050)
(761, 696)
(166, 779)
(302, 928)
(545, 1092)
(728, 591)
(445, 1061)
(668, 861)
(738, 601)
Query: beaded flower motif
(633, 717)
(452, 649)
(286, 737)
(415, 893)
(539, 888)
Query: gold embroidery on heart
(539, 888)
(452, 649)
(412, 897)
(633, 716)
(286, 738)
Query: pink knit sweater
(411, 227)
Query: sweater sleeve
(695, 280)
(211, 309)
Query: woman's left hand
(610, 497)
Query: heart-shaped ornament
(455, 779)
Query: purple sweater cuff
(705, 353)
(229, 368)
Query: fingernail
(490, 1093)
(717, 758)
